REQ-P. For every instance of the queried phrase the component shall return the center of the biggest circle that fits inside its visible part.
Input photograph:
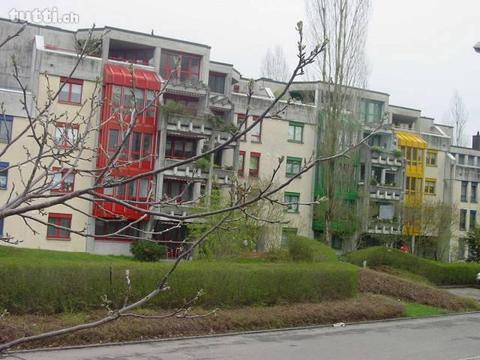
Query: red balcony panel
(140, 78)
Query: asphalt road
(471, 292)
(453, 338)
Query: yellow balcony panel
(410, 140)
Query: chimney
(476, 141)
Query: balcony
(202, 126)
(190, 171)
(385, 229)
(382, 158)
(383, 192)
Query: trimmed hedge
(437, 272)
(50, 286)
(302, 248)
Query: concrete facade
(213, 96)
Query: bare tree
(32, 195)
(342, 68)
(458, 117)
(274, 64)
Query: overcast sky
(419, 51)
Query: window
(180, 66)
(461, 159)
(139, 146)
(242, 125)
(292, 199)
(287, 232)
(66, 134)
(180, 148)
(241, 161)
(216, 82)
(6, 122)
(1, 227)
(4, 175)
(178, 191)
(473, 192)
(371, 111)
(295, 132)
(256, 132)
(254, 164)
(294, 165)
(414, 185)
(430, 185)
(471, 160)
(62, 220)
(473, 219)
(71, 91)
(110, 230)
(63, 182)
(135, 190)
(463, 193)
(463, 220)
(431, 158)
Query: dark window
(288, 232)
(4, 175)
(110, 230)
(371, 111)
(473, 192)
(241, 161)
(179, 191)
(473, 219)
(60, 220)
(463, 220)
(185, 67)
(292, 199)
(71, 91)
(254, 167)
(1, 226)
(180, 148)
(216, 82)
(463, 194)
(242, 125)
(6, 122)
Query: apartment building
(408, 162)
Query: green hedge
(437, 272)
(302, 248)
(49, 286)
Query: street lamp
(476, 47)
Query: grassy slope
(421, 310)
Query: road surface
(470, 292)
(453, 338)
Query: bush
(436, 272)
(302, 248)
(145, 250)
(51, 286)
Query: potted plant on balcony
(397, 154)
(203, 164)
(373, 182)
(376, 149)
(174, 107)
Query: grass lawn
(421, 310)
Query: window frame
(254, 172)
(241, 169)
(4, 167)
(288, 195)
(242, 126)
(256, 138)
(472, 216)
(291, 160)
(62, 188)
(463, 195)
(217, 75)
(65, 143)
(295, 125)
(474, 192)
(68, 84)
(167, 68)
(177, 139)
(463, 220)
(8, 125)
(58, 233)
(429, 158)
(428, 186)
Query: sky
(419, 52)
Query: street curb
(252, 332)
